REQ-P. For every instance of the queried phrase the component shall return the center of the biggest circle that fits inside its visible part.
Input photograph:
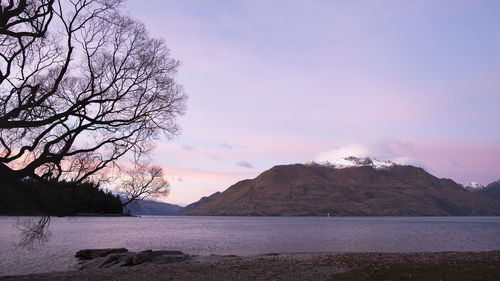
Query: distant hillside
(492, 190)
(151, 208)
(395, 190)
(194, 205)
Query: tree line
(56, 198)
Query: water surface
(244, 236)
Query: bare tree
(33, 230)
(81, 85)
(142, 182)
(22, 24)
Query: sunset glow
(280, 82)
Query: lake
(244, 236)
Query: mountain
(361, 190)
(492, 190)
(195, 205)
(151, 208)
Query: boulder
(125, 258)
(88, 254)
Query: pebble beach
(298, 266)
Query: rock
(125, 258)
(109, 262)
(167, 256)
(89, 254)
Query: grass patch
(485, 270)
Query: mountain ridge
(362, 190)
(149, 207)
(491, 190)
(194, 205)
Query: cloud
(213, 156)
(225, 145)
(404, 160)
(338, 154)
(403, 145)
(188, 147)
(392, 150)
(175, 179)
(244, 164)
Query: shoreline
(300, 266)
(69, 216)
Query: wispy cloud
(340, 153)
(187, 147)
(244, 164)
(225, 145)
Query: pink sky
(279, 82)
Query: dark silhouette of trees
(81, 85)
(45, 199)
(57, 198)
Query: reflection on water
(245, 236)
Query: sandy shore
(302, 266)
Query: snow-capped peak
(471, 186)
(353, 161)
